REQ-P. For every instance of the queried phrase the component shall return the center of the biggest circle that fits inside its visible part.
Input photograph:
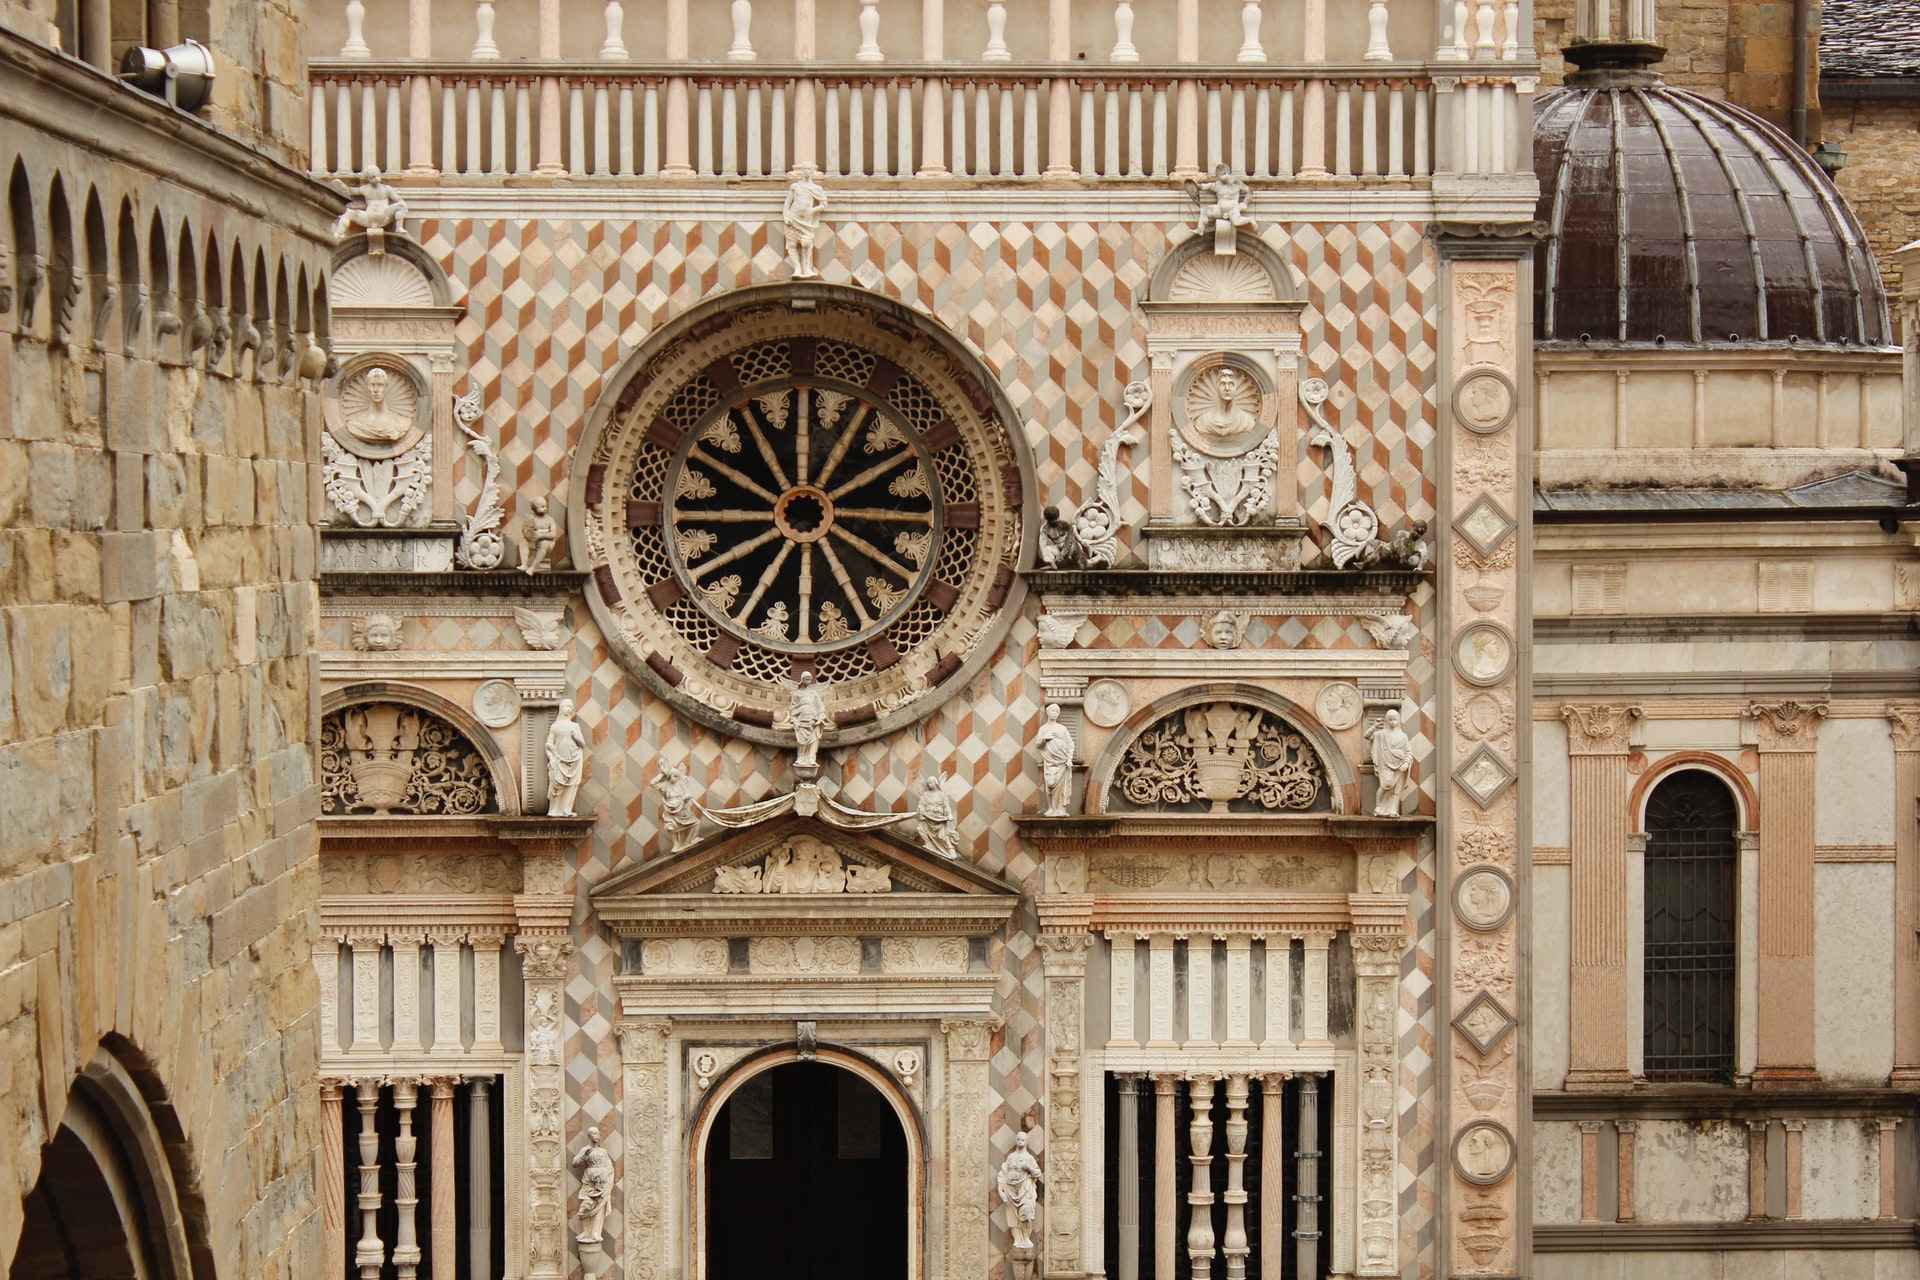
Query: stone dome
(1679, 219)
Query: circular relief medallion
(377, 406)
(1483, 898)
(779, 490)
(1483, 653)
(1339, 706)
(1483, 1153)
(496, 704)
(1484, 401)
(1106, 703)
(1218, 403)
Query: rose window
(829, 490)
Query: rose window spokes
(1221, 757)
(803, 517)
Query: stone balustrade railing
(989, 118)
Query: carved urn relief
(384, 758)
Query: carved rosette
(643, 1091)
(1599, 728)
(1064, 962)
(544, 962)
(1787, 726)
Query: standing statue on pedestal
(1392, 753)
(808, 713)
(1054, 743)
(1018, 1183)
(677, 810)
(1223, 207)
(566, 762)
(596, 1185)
(806, 201)
(939, 828)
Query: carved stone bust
(377, 407)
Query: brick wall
(158, 876)
(1882, 142)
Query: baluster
(1307, 1175)
(406, 1199)
(777, 122)
(1030, 132)
(903, 98)
(650, 129)
(1283, 167)
(576, 128)
(1457, 34)
(1088, 138)
(356, 41)
(1123, 50)
(869, 50)
(756, 157)
(319, 161)
(1378, 50)
(832, 91)
(1111, 164)
(1262, 131)
(474, 157)
(1008, 99)
(882, 122)
(1250, 49)
(1200, 1241)
(1233, 1241)
(1237, 130)
(1510, 42)
(1421, 130)
(982, 135)
(1483, 44)
(1370, 130)
(369, 121)
(626, 127)
(1136, 132)
(602, 128)
(857, 129)
(614, 47)
(729, 126)
(703, 124)
(484, 49)
(1396, 129)
(741, 50)
(369, 1255)
(523, 125)
(1213, 126)
(960, 169)
(996, 50)
(449, 126)
(1160, 129)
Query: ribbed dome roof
(1671, 216)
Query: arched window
(1692, 877)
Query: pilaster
(1064, 969)
(1787, 736)
(969, 1044)
(1904, 723)
(545, 960)
(647, 1140)
(1376, 966)
(1598, 741)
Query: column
(646, 1124)
(1199, 990)
(1313, 100)
(1127, 1245)
(1314, 1005)
(486, 992)
(333, 1181)
(96, 34)
(406, 995)
(678, 164)
(1059, 91)
(1905, 724)
(446, 990)
(1598, 736)
(480, 1177)
(1628, 1131)
(1160, 991)
(1279, 1029)
(366, 989)
(1120, 990)
(545, 958)
(969, 1042)
(1186, 115)
(1307, 1172)
(1889, 1170)
(326, 968)
(1063, 959)
(550, 162)
(406, 1190)
(1200, 1243)
(1273, 1155)
(445, 1194)
(805, 156)
(369, 1255)
(933, 115)
(419, 91)
(1234, 1243)
(1376, 966)
(1787, 735)
(1165, 1189)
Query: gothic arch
(1705, 762)
(847, 1059)
(1343, 782)
(506, 786)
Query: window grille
(1692, 875)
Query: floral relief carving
(923, 955)
(384, 758)
(1484, 964)
(1787, 725)
(684, 955)
(1222, 756)
(804, 955)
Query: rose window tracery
(829, 490)
(1221, 757)
(386, 758)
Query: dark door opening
(806, 1179)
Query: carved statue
(380, 208)
(939, 827)
(566, 761)
(1054, 744)
(1404, 550)
(596, 1184)
(1392, 755)
(1060, 546)
(806, 201)
(1018, 1183)
(481, 546)
(677, 810)
(538, 532)
(808, 713)
(1222, 200)
(376, 633)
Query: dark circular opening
(804, 513)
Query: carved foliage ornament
(385, 758)
(1599, 728)
(1222, 757)
(1788, 723)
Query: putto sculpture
(1060, 546)
(379, 209)
(538, 534)
(1222, 201)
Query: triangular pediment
(793, 873)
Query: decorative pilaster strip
(366, 945)
(969, 1044)
(441, 1213)
(486, 991)
(1064, 969)
(1904, 723)
(1796, 1131)
(1889, 1170)
(333, 1180)
(646, 1137)
(406, 1187)
(1787, 735)
(1239, 991)
(326, 968)
(1590, 1169)
(1628, 1131)
(1598, 740)
(1200, 1242)
(1273, 1162)
(1199, 989)
(544, 962)
(406, 994)
(1279, 957)
(1313, 1011)
(1120, 990)
(1233, 1242)
(1128, 1176)
(1376, 964)
(1160, 991)
(1166, 1151)
(446, 991)
(369, 1255)
(1757, 1169)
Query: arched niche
(1193, 274)
(445, 763)
(757, 1065)
(1339, 789)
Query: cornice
(1218, 664)
(1175, 584)
(700, 915)
(1687, 1237)
(375, 833)
(503, 583)
(415, 913)
(1717, 1102)
(1116, 833)
(1257, 915)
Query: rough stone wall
(1882, 142)
(158, 876)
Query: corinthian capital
(1787, 726)
(1599, 728)
(1904, 722)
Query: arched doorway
(808, 1170)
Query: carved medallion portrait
(1483, 898)
(1339, 706)
(1483, 653)
(496, 703)
(1219, 405)
(378, 406)
(1483, 1153)
(1107, 703)
(1484, 401)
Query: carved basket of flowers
(1221, 735)
(382, 740)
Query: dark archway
(814, 1158)
(1691, 966)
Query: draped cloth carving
(1223, 756)
(383, 757)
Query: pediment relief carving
(803, 864)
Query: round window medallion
(1484, 401)
(496, 704)
(1483, 898)
(777, 489)
(1483, 653)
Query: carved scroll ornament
(1225, 756)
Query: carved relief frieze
(923, 955)
(804, 864)
(804, 955)
(467, 872)
(683, 956)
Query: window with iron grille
(1692, 878)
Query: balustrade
(732, 111)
